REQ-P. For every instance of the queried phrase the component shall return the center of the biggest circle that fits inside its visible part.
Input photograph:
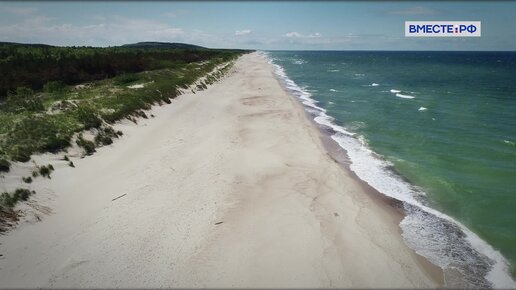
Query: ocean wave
(405, 96)
(441, 239)
(399, 95)
(422, 109)
(333, 90)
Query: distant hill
(154, 44)
(25, 44)
(146, 44)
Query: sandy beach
(228, 187)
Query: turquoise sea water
(436, 130)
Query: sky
(263, 25)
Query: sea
(435, 131)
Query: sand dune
(229, 187)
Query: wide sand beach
(228, 187)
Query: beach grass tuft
(5, 165)
(9, 200)
(87, 145)
(45, 171)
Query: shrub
(23, 99)
(27, 179)
(105, 136)
(54, 87)
(71, 164)
(86, 115)
(55, 143)
(21, 153)
(125, 79)
(142, 114)
(8, 200)
(46, 170)
(103, 139)
(21, 194)
(5, 165)
(88, 146)
(36, 134)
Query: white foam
(404, 96)
(334, 70)
(333, 90)
(374, 85)
(422, 109)
(296, 90)
(374, 170)
(418, 226)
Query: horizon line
(259, 49)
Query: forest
(33, 66)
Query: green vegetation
(35, 66)
(7, 203)
(46, 170)
(27, 179)
(9, 200)
(42, 108)
(4, 165)
(87, 145)
(105, 136)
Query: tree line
(34, 66)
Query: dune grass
(46, 120)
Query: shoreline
(273, 208)
(395, 207)
(493, 269)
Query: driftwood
(118, 197)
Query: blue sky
(344, 25)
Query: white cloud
(112, 30)
(243, 32)
(295, 34)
